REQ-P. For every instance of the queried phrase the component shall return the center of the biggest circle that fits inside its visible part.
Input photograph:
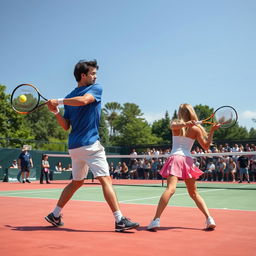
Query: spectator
(235, 148)
(45, 170)
(210, 168)
(25, 162)
(147, 169)
(232, 168)
(243, 165)
(58, 167)
(253, 169)
(69, 168)
(221, 166)
(159, 167)
(124, 171)
(117, 171)
(14, 164)
(133, 171)
(111, 169)
(196, 162)
(140, 169)
(133, 153)
(154, 165)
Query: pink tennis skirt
(180, 166)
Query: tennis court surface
(89, 224)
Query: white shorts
(91, 157)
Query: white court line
(181, 194)
(93, 201)
(3, 193)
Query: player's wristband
(60, 101)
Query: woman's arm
(177, 125)
(206, 142)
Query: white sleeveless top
(181, 145)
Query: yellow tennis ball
(22, 98)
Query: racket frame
(205, 121)
(38, 100)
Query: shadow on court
(59, 229)
(144, 228)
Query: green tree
(175, 115)
(44, 125)
(12, 124)
(252, 133)
(111, 111)
(203, 111)
(235, 132)
(103, 130)
(161, 129)
(132, 128)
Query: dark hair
(83, 67)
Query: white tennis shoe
(154, 224)
(210, 223)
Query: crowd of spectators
(217, 168)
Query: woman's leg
(192, 190)
(170, 190)
(233, 175)
(42, 176)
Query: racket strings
(225, 116)
(25, 98)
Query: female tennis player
(180, 163)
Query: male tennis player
(82, 112)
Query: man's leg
(23, 176)
(68, 192)
(27, 176)
(54, 218)
(109, 193)
(18, 176)
(121, 223)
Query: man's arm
(75, 101)
(64, 123)
(31, 162)
(19, 163)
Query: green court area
(217, 195)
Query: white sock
(118, 215)
(56, 211)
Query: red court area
(89, 229)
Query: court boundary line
(91, 201)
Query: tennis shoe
(125, 224)
(210, 223)
(154, 225)
(28, 181)
(55, 221)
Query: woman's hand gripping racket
(225, 117)
(26, 98)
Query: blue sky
(156, 54)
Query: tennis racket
(225, 116)
(26, 98)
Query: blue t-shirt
(25, 159)
(84, 120)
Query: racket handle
(199, 122)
